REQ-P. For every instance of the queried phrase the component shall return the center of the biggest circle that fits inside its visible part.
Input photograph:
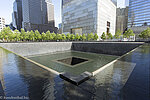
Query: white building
(2, 23)
(89, 16)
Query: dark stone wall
(110, 48)
(34, 48)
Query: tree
(118, 34)
(103, 36)
(77, 37)
(83, 37)
(6, 33)
(16, 35)
(31, 36)
(59, 37)
(54, 36)
(90, 36)
(145, 34)
(38, 36)
(43, 36)
(109, 36)
(63, 37)
(72, 37)
(95, 36)
(128, 33)
(49, 36)
(23, 35)
(68, 36)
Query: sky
(6, 9)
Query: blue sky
(6, 8)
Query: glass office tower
(139, 13)
(17, 14)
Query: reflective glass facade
(139, 13)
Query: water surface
(127, 79)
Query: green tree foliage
(118, 34)
(103, 36)
(72, 37)
(31, 36)
(109, 36)
(68, 36)
(17, 35)
(90, 36)
(54, 36)
(49, 36)
(63, 37)
(95, 36)
(38, 36)
(44, 36)
(83, 37)
(7, 35)
(23, 35)
(59, 37)
(145, 34)
(128, 33)
(77, 37)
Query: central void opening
(72, 61)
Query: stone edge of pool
(78, 80)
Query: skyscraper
(139, 15)
(17, 14)
(86, 16)
(34, 15)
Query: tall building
(2, 23)
(34, 15)
(86, 16)
(122, 19)
(139, 15)
(17, 14)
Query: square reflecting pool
(73, 62)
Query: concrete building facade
(38, 15)
(88, 16)
(2, 23)
(122, 19)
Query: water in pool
(73, 62)
(126, 79)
